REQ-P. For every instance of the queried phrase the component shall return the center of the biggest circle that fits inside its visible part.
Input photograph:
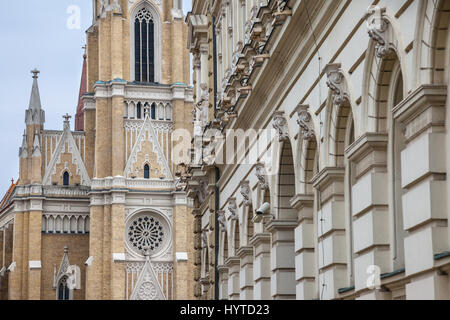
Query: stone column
(261, 266)
(331, 242)
(245, 255)
(305, 263)
(204, 64)
(223, 282)
(423, 163)
(369, 203)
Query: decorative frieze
(65, 223)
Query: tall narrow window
(153, 111)
(63, 290)
(66, 178)
(146, 171)
(144, 47)
(138, 111)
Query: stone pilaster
(245, 255)
(369, 206)
(425, 215)
(233, 264)
(331, 241)
(223, 282)
(282, 259)
(261, 266)
(305, 263)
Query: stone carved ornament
(109, 5)
(262, 176)
(280, 124)
(222, 221)
(305, 122)
(336, 83)
(377, 26)
(245, 192)
(232, 208)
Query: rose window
(146, 233)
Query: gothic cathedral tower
(97, 212)
(137, 76)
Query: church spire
(35, 114)
(79, 117)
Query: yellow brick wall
(52, 254)
(8, 245)
(183, 242)
(66, 157)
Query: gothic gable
(147, 151)
(66, 158)
(147, 286)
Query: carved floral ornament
(305, 122)
(280, 124)
(245, 192)
(378, 29)
(336, 82)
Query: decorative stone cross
(35, 73)
(67, 117)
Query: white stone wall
(370, 209)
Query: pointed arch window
(66, 178)
(146, 171)
(138, 111)
(63, 289)
(144, 46)
(153, 111)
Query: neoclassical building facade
(97, 213)
(349, 199)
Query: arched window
(63, 289)
(138, 111)
(144, 46)
(66, 178)
(146, 171)
(161, 112)
(153, 111)
(168, 112)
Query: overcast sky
(35, 34)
